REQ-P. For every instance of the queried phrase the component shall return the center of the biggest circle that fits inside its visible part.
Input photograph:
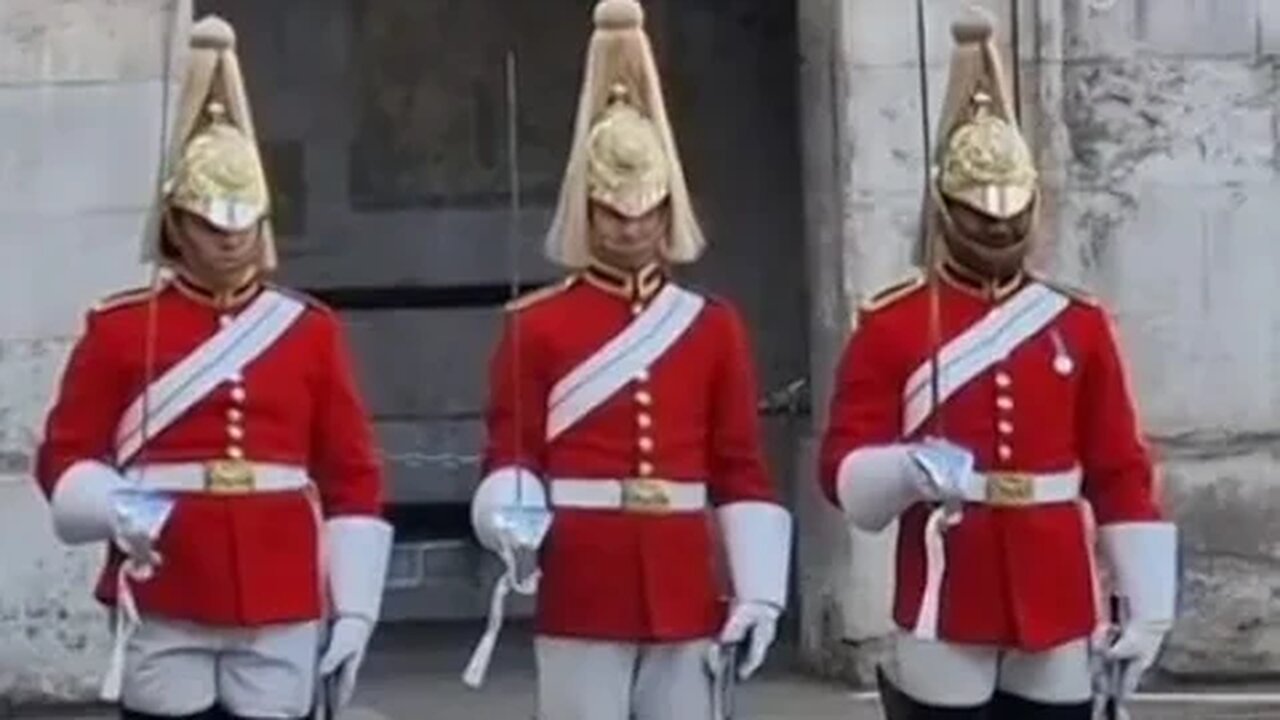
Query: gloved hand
(140, 515)
(344, 654)
(948, 471)
(759, 621)
(1136, 649)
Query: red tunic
(1015, 577)
(235, 560)
(624, 576)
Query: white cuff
(358, 550)
(757, 538)
(875, 484)
(1143, 557)
(505, 487)
(83, 503)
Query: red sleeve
(1117, 467)
(737, 467)
(518, 391)
(89, 402)
(344, 460)
(866, 402)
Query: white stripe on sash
(217, 360)
(983, 344)
(611, 367)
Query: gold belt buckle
(645, 495)
(228, 477)
(1010, 489)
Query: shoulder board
(123, 298)
(1073, 292)
(894, 291)
(534, 297)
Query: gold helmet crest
(215, 170)
(623, 154)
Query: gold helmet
(215, 170)
(981, 159)
(623, 153)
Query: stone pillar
(1156, 133)
(80, 113)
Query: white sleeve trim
(757, 538)
(358, 550)
(83, 503)
(1143, 557)
(876, 484)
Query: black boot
(1012, 707)
(900, 706)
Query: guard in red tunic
(988, 411)
(625, 405)
(209, 430)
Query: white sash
(983, 344)
(219, 359)
(611, 367)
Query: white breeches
(952, 675)
(181, 668)
(596, 680)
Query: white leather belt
(220, 477)
(637, 495)
(1016, 489)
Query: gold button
(234, 415)
(642, 376)
(235, 432)
(637, 308)
(224, 320)
(1005, 452)
(237, 394)
(646, 444)
(235, 452)
(1005, 427)
(1003, 380)
(644, 420)
(644, 399)
(645, 469)
(1004, 402)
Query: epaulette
(534, 297)
(123, 298)
(1073, 292)
(894, 291)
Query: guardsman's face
(213, 255)
(628, 243)
(989, 230)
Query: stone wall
(80, 114)
(1156, 130)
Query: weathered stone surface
(1228, 512)
(89, 255)
(56, 636)
(106, 136)
(88, 41)
(28, 371)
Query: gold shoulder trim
(894, 291)
(1073, 292)
(120, 299)
(534, 297)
